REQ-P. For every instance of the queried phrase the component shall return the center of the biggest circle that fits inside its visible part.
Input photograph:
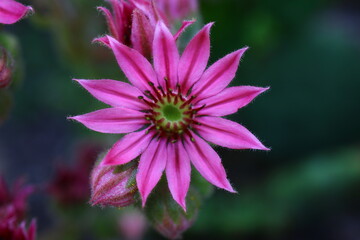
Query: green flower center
(171, 113)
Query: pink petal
(152, 164)
(114, 93)
(166, 55)
(113, 120)
(12, 11)
(149, 9)
(142, 34)
(102, 40)
(229, 100)
(218, 76)
(207, 162)
(113, 28)
(128, 148)
(184, 26)
(32, 230)
(227, 133)
(178, 171)
(135, 66)
(194, 59)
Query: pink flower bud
(173, 229)
(5, 69)
(167, 217)
(113, 185)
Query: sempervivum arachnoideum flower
(12, 11)
(171, 110)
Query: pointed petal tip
(261, 147)
(190, 21)
(143, 199)
(101, 9)
(209, 25)
(30, 10)
(71, 118)
(229, 188)
(102, 40)
(182, 205)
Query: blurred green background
(308, 52)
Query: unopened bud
(5, 69)
(113, 185)
(167, 217)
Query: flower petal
(135, 66)
(207, 162)
(113, 28)
(178, 171)
(227, 133)
(102, 40)
(166, 55)
(194, 59)
(113, 120)
(12, 11)
(184, 26)
(229, 100)
(114, 93)
(152, 164)
(218, 75)
(128, 148)
(142, 34)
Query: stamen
(150, 104)
(148, 94)
(187, 102)
(167, 85)
(156, 92)
(162, 90)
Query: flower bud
(5, 69)
(113, 185)
(167, 217)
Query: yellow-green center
(171, 113)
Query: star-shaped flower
(171, 110)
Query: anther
(162, 90)
(150, 95)
(167, 82)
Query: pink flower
(13, 203)
(12, 11)
(171, 110)
(133, 23)
(12, 231)
(12, 212)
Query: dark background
(308, 52)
